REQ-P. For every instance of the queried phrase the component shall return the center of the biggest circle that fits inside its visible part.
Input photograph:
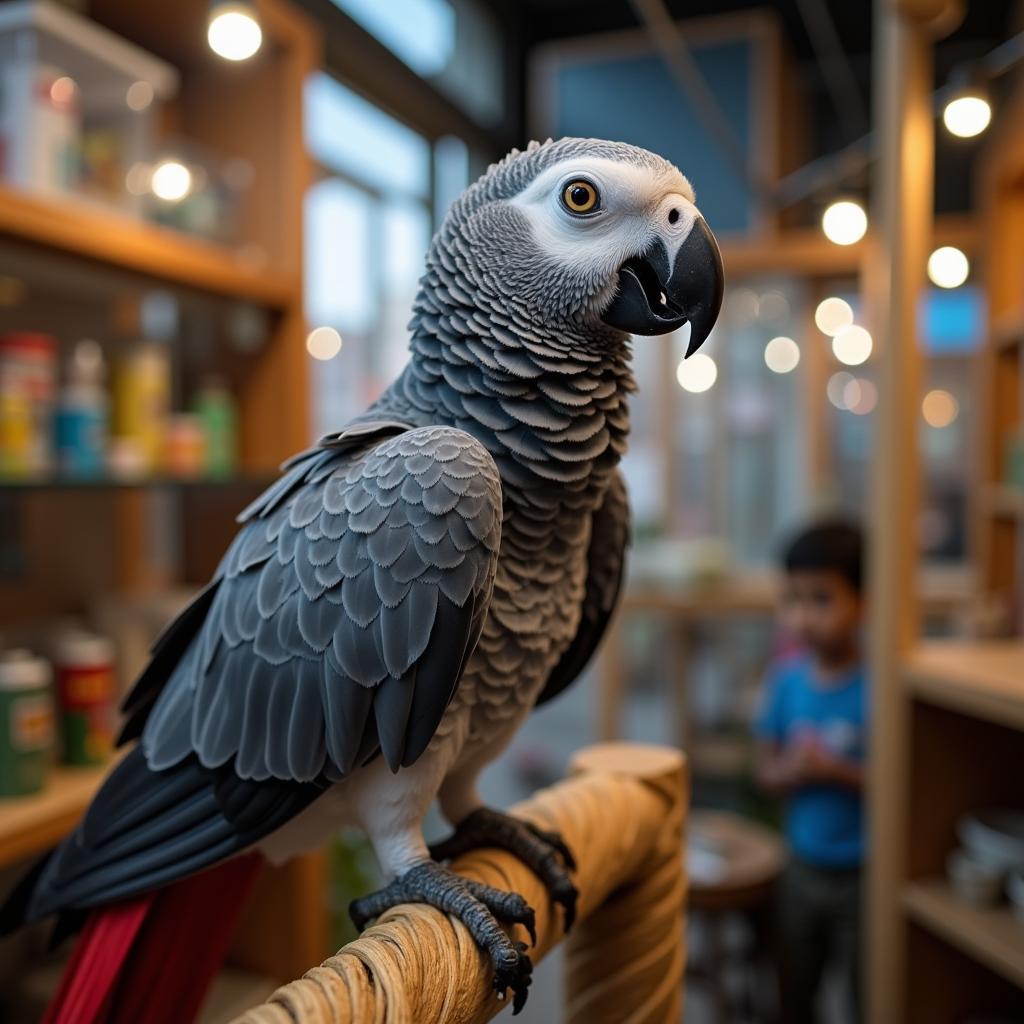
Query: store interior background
(261, 300)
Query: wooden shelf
(1006, 502)
(42, 484)
(118, 240)
(1008, 330)
(31, 824)
(983, 679)
(993, 936)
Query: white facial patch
(636, 205)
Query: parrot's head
(597, 239)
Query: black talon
(478, 906)
(544, 852)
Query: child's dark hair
(835, 545)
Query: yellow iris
(580, 197)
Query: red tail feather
(151, 959)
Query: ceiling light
(234, 31)
(844, 222)
(948, 267)
(967, 114)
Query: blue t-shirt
(824, 823)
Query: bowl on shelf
(973, 881)
(1015, 890)
(994, 837)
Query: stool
(733, 865)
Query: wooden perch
(621, 812)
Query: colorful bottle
(215, 406)
(86, 693)
(142, 397)
(26, 722)
(82, 414)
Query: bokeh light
(836, 388)
(696, 374)
(323, 343)
(782, 355)
(852, 345)
(844, 222)
(171, 181)
(233, 32)
(939, 408)
(832, 315)
(773, 305)
(860, 396)
(948, 267)
(63, 91)
(967, 115)
(139, 96)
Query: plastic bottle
(215, 406)
(83, 414)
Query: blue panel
(636, 100)
(952, 322)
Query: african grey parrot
(412, 586)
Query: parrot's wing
(309, 467)
(343, 618)
(606, 556)
(338, 625)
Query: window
(368, 222)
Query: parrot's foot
(544, 853)
(479, 907)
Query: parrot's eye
(580, 197)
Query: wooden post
(622, 814)
(902, 211)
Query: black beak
(650, 301)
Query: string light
(967, 114)
(852, 345)
(844, 222)
(832, 315)
(234, 32)
(697, 374)
(782, 355)
(948, 267)
(323, 343)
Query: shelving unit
(948, 716)
(992, 936)
(77, 540)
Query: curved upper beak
(657, 296)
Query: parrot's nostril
(673, 215)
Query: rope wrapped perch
(621, 812)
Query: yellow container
(142, 397)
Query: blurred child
(812, 737)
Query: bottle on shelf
(28, 379)
(215, 406)
(142, 395)
(26, 722)
(86, 693)
(83, 414)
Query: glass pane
(420, 32)
(339, 281)
(348, 134)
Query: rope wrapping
(621, 812)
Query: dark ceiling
(985, 25)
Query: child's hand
(812, 762)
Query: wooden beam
(894, 270)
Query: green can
(26, 723)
